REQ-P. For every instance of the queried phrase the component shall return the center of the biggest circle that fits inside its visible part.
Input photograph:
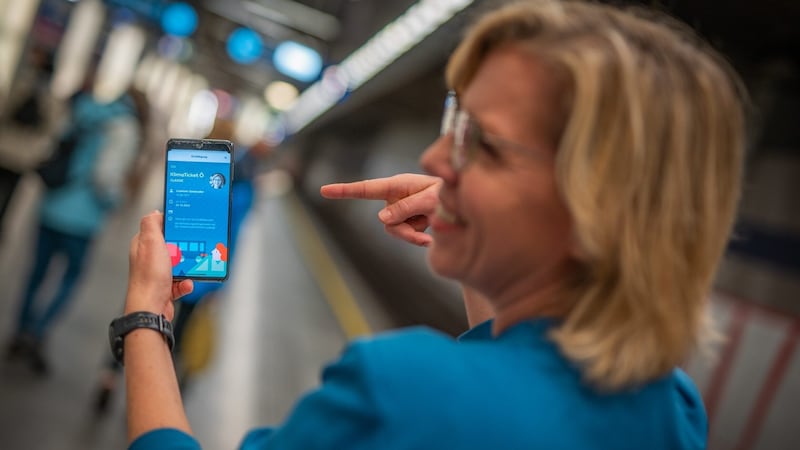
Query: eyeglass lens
(450, 108)
(459, 123)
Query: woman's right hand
(410, 200)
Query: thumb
(181, 288)
(419, 204)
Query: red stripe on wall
(721, 373)
(770, 387)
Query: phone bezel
(202, 144)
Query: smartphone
(197, 207)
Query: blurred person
(29, 122)
(100, 143)
(32, 90)
(582, 210)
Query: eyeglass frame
(458, 121)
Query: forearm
(153, 396)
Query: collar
(522, 331)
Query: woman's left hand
(150, 284)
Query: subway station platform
(291, 304)
(256, 346)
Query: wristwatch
(123, 325)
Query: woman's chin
(444, 264)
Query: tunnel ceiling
(746, 30)
(750, 28)
(304, 21)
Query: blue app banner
(196, 212)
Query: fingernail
(385, 215)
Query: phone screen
(197, 199)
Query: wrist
(126, 324)
(135, 303)
(144, 346)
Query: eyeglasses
(468, 137)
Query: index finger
(394, 187)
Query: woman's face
(502, 227)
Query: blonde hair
(648, 163)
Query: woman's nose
(436, 159)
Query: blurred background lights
(121, 16)
(251, 121)
(378, 52)
(184, 100)
(202, 113)
(153, 78)
(179, 19)
(275, 132)
(297, 61)
(167, 86)
(75, 51)
(245, 46)
(144, 71)
(117, 66)
(280, 95)
(175, 48)
(15, 22)
(225, 104)
(334, 81)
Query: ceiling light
(245, 46)
(179, 19)
(297, 16)
(297, 61)
(280, 95)
(395, 39)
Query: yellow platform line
(322, 267)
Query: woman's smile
(444, 220)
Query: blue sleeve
(341, 413)
(691, 413)
(256, 439)
(165, 439)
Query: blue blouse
(417, 388)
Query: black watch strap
(123, 325)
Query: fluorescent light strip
(395, 39)
(296, 15)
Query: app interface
(196, 212)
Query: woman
(583, 211)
